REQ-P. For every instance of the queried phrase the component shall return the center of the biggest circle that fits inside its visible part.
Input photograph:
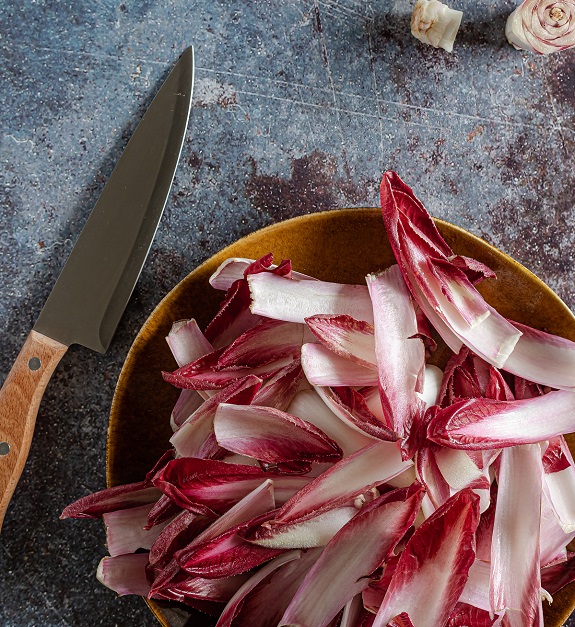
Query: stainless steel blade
(89, 298)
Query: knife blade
(93, 289)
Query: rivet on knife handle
(20, 398)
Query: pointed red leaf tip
(112, 499)
(432, 570)
(483, 423)
(278, 392)
(401, 620)
(267, 342)
(272, 436)
(442, 289)
(361, 546)
(206, 374)
(257, 502)
(227, 554)
(442, 284)
(163, 509)
(210, 487)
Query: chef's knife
(89, 297)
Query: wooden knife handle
(20, 398)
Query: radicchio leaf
(439, 285)
(205, 486)
(272, 436)
(515, 577)
(483, 423)
(308, 405)
(112, 499)
(324, 368)
(345, 481)
(294, 301)
(432, 570)
(347, 337)
(400, 355)
(351, 556)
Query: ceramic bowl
(341, 246)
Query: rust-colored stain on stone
(314, 185)
(562, 78)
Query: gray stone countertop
(298, 107)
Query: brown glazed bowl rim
(564, 601)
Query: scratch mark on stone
(555, 116)
(33, 586)
(19, 141)
(331, 84)
(341, 9)
(443, 113)
(376, 86)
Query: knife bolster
(20, 398)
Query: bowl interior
(341, 246)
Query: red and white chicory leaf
(196, 438)
(400, 355)
(182, 530)
(350, 406)
(187, 342)
(515, 576)
(126, 532)
(345, 481)
(347, 337)
(271, 435)
(234, 316)
(267, 342)
(125, 574)
(556, 577)
(559, 481)
(112, 499)
(308, 405)
(278, 392)
(343, 568)
(280, 585)
(432, 570)
(322, 367)
(234, 269)
(303, 534)
(483, 423)
(293, 301)
(227, 554)
(235, 604)
(425, 260)
(205, 486)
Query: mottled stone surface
(299, 106)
